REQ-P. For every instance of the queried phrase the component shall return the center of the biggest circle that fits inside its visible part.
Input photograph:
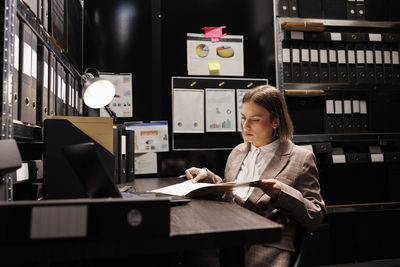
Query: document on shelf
(188, 189)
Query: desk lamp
(98, 92)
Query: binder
(395, 64)
(70, 81)
(122, 160)
(26, 83)
(43, 84)
(314, 63)
(334, 9)
(369, 60)
(360, 10)
(364, 116)
(360, 68)
(323, 63)
(296, 72)
(52, 84)
(293, 8)
(342, 63)
(45, 14)
(351, 9)
(356, 115)
(59, 90)
(387, 61)
(329, 115)
(333, 70)
(33, 92)
(305, 62)
(351, 60)
(347, 116)
(378, 59)
(76, 98)
(130, 155)
(283, 8)
(338, 115)
(16, 68)
(64, 90)
(286, 60)
(117, 153)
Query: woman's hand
(196, 174)
(271, 187)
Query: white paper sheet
(220, 110)
(228, 51)
(239, 107)
(188, 111)
(122, 102)
(146, 163)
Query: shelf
(373, 88)
(344, 137)
(50, 43)
(26, 132)
(363, 208)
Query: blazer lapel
(274, 167)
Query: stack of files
(303, 26)
(124, 153)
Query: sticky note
(213, 66)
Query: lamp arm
(111, 112)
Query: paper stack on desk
(188, 189)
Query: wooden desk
(198, 224)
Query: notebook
(86, 163)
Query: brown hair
(273, 100)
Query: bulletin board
(205, 135)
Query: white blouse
(253, 166)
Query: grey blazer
(299, 201)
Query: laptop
(85, 162)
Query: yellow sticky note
(213, 66)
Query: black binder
(334, 9)
(33, 92)
(310, 8)
(356, 115)
(387, 63)
(17, 67)
(130, 155)
(347, 116)
(369, 60)
(342, 63)
(333, 68)
(286, 60)
(360, 68)
(396, 64)
(351, 60)
(60, 109)
(283, 8)
(25, 101)
(305, 62)
(314, 63)
(323, 63)
(293, 8)
(330, 126)
(43, 84)
(360, 10)
(364, 116)
(338, 114)
(117, 154)
(52, 84)
(378, 58)
(70, 98)
(351, 9)
(296, 70)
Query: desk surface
(198, 224)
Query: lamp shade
(98, 92)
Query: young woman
(288, 190)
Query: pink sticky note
(213, 32)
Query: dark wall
(148, 39)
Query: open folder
(188, 189)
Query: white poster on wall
(149, 137)
(239, 106)
(188, 111)
(220, 110)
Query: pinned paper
(213, 32)
(213, 66)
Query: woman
(288, 190)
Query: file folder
(60, 110)
(305, 63)
(286, 60)
(323, 63)
(378, 56)
(351, 59)
(364, 116)
(360, 10)
(351, 9)
(117, 153)
(333, 69)
(369, 60)
(314, 63)
(26, 84)
(16, 68)
(33, 92)
(52, 84)
(127, 159)
(342, 63)
(330, 118)
(360, 68)
(296, 72)
(64, 90)
(347, 116)
(338, 115)
(283, 8)
(387, 61)
(293, 8)
(70, 99)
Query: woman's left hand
(271, 187)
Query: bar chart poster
(220, 110)
(239, 104)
